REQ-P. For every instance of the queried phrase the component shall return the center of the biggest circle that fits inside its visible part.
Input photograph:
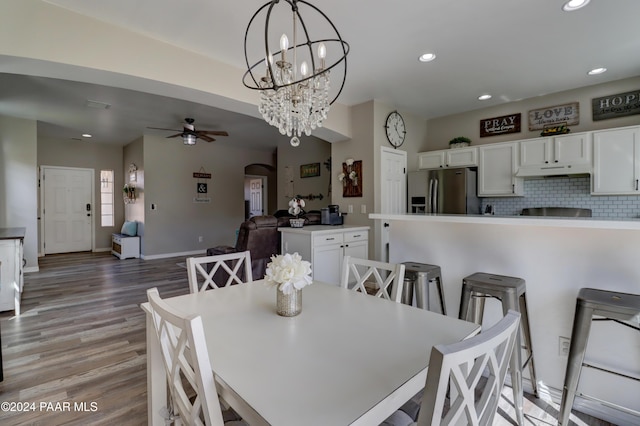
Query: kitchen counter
(12, 233)
(322, 229)
(547, 221)
(556, 257)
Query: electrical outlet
(563, 346)
(200, 239)
(350, 208)
(363, 209)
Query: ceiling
(512, 50)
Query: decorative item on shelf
(296, 208)
(459, 142)
(555, 129)
(289, 274)
(129, 193)
(310, 197)
(133, 172)
(327, 164)
(351, 178)
(294, 94)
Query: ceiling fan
(189, 133)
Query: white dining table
(347, 359)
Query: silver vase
(288, 305)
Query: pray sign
(500, 125)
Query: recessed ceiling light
(572, 5)
(86, 135)
(427, 57)
(597, 71)
(484, 97)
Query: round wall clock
(395, 129)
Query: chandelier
(293, 79)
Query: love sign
(569, 113)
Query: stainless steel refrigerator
(446, 191)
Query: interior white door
(255, 197)
(393, 194)
(68, 210)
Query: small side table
(125, 246)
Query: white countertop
(323, 229)
(561, 222)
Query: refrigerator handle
(430, 196)
(436, 186)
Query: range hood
(549, 170)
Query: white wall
(88, 155)
(19, 182)
(174, 227)
(311, 150)
(442, 130)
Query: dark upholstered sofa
(260, 236)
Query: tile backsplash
(566, 192)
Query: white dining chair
(387, 278)
(218, 271)
(474, 371)
(194, 399)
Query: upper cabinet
(497, 165)
(616, 161)
(448, 158)
(563, 149)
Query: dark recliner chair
(260, 236)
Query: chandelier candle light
(295, 89)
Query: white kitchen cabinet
(616, 161)
(497, 165)
(11, 271)
(448, 158)
(562, 149)
(325, 246)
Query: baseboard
(103, 249)
(29, 269)
(600, 410)
(166, 255)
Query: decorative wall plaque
(569, 113)
(500, 125)
(614, 106)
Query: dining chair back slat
(218, 271)
(387, 278)
(473, 370)
(186, 360)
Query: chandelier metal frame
(276, 92)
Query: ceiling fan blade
(206, 138)
(160, 128)
(213, 132)
(175, 136)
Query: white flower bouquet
(296, 206)
(288, 272)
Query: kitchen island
(556, 257)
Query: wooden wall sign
(310, 170)
(570, 113)
(500, 125)
(352, 187)
(614, 106)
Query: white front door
(255, 197)
(67, 209)
(393, 193)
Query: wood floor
(80, 342)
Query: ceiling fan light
(189, 139)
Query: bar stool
(592, 302)
(417, 277)
(511, 291)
